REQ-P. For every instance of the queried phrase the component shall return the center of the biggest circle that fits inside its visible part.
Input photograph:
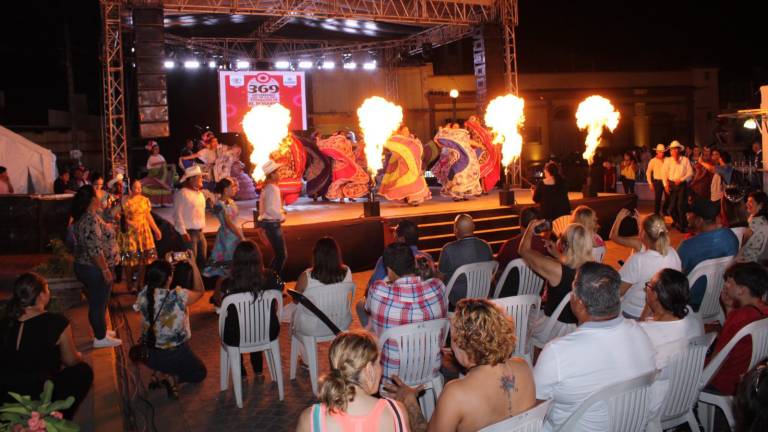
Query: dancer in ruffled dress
(349, 179)
(403, 177)
(458, 170)
(292, 160)
(318, 172)
(489, 154)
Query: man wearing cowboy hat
(272, 215)
(678, 172)
(655, 176)
(189, 212)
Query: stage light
(750, 123)
(453, 93)
(371, 65)
(168, 64)
(212, 64)
(282, 64)
(350, 65)
(191, 64)
(327, 64)
(305, 64)
(242, 64)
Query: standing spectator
(509, 251)
(37, 345)
(189, 213)
(651, 252)
(711, 241)
(609, 176)
(96, 255)
(405, 299)
(605, 349)
(755, 237)
(137, 246)
(722, 173)
(677, 173)
(755, 160)
(645, 159)
(78, 178)
(406, 232)
(628, 172)
(228, 236)
(61, 184)
(655, 176)
(5, 182)
(743, 301)
(466, 249)
(701, 185)
(552, 194)
(272, 215)
(165, 322)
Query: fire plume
(265, 127)
(504, 116)
(379, 119)
(594, 114)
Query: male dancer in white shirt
(677, 173)
(189, 213)
(655, 176)
(272, 215)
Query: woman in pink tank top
(346, 394)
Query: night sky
(553, 36)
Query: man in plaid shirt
(407, 300)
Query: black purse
(139, 353)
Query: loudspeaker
(149, 45)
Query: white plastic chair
(598, 253)
(712, 271)
(554, 328)
(254, 322)
(479, 276)
(739, 233)
(529, 281)
(708, 402)
(684, 373)
(628, 405)
(419, 349)
(560, 224)
(528, 421)
(521, 308)
(335, 302)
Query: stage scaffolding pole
(116, 154)
(509, 18)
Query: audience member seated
(756, 235)
(742, 298)
(552, 194)
(406, 232)
(605, 349)
(165, 324)
(711, 241)
(508, 251)
(250, 276)
(497, 386)
(586, 216)
(347, 401)
(61, 184)
(5, 182)
(751, 401)
(466, 249)
(651, 252)
(37, 345)
(573, 249)
(403, 299)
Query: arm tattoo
(508, 385)
(416, 419)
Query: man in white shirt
(189, 213)
(677, 173)
(655, 176)
(272, 215)
(605, 349)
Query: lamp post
(454, 94)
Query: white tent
(31, 168)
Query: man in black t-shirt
(61, 184)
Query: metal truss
(419, 12)
(508, 13)
(116, 149)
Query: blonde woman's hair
(483, 331)
(655, 230)
(586, 216)
(578, 245)
(349, 354)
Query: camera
(543, 227)
(175, 257)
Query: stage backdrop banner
(239, 91)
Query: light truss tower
(508, 18)
(115, 145)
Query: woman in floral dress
(228, 237)
(137, 246)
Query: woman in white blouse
(757, 234)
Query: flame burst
(504, 116)
(595, 113)
(379, 119)
(265, 127)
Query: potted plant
(66, 290)
(44, 415)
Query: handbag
(139, 352)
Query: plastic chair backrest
(712, 270)
(333, 300)
(598, 253)
(521, 308)
(419, 348)
(479, 276)
(253, 315)
(547, 331)
(560, 224)
(739, 233)
(684, 372)
(528, 421)
(529, 281)
(628, 405)
(758, 331)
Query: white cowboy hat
(117, 179)
(660, 148)
(192, 171)
(270, 167)
(675, 144)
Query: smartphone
(544, 227)
(174, 257)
